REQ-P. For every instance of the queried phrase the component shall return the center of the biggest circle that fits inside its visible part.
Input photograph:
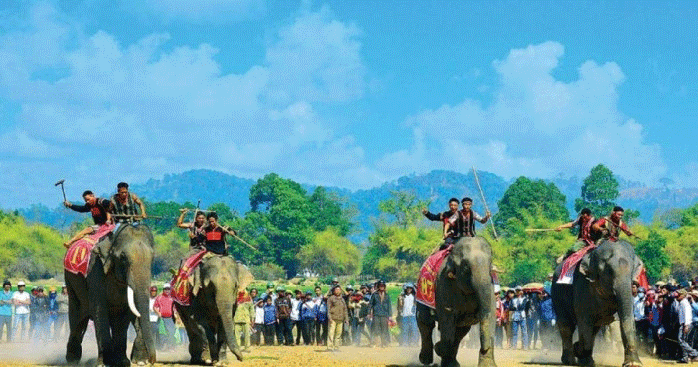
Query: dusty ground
(38, 354)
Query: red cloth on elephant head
(426, 283)
(77, 258)
(181, 288)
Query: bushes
(267, 271)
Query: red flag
(642, 279)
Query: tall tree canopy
(284, 219)
(525, 195)
(599, 192)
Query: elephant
(464, 297)
(591, 301)
(113, 294)
(209, 318)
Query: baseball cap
(166, 286)
(21, 283)
(7, 282)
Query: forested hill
(208, 186)
(437, 187)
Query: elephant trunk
(627, 320)
(225, 301)
(139, 303)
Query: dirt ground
(43, 354)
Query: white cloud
(317, 58)
(536, 125)
(153, 106)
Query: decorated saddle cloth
(182, 283)
(573, 261)
(426, 283)
(570, 265)
(187, 281)
(426, 289)
(77, 258)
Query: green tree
(223, 211)
(599, 192)
(164, 214)
(653, 254)
(528, 257)
(330, 254)
(326, 211)
(31, 251)
(284, 214)
(523, 196)
(404, 207)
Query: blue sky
(343, 93)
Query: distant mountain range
(437, 186)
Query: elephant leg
(566, 333)
(449, 350)
(426, 322)
(584, 349)
(99, 310)
(119, 327)
(78, 315)
(210, 333)
(195, 333)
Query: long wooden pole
(484, 202)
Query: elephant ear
(102, 250)
(195, 280)
(245, 277)
(637, 267)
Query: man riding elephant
(590, 301)
(457, 291)
(610, 227)
(113, 292)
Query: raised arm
(77, 208)
(180, 220)
(431, 216)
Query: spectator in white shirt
(686, 321)
(21, 300)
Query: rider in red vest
(611, 226)
(215, 235)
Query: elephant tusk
(131, 303)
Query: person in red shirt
(164, 307)
(611, 226)
(215, 235)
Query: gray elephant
(464, 297)
(113, 294)
(209, 318)
(591, 301)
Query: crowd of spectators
(665, 319)
(33, 315)
(528, 313)
(342, 316)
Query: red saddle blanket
(570, 264)
(181, 286)
(77, 258)
(426, 290)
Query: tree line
(295, 230)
